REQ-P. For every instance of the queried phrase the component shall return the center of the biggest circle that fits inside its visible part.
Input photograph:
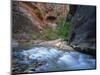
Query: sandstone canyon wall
(32, 16)
(36, 16)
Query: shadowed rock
(83, 30)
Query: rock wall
(20, 21)
(32, 16)
(83, 30)
(37, 14)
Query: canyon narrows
(49, 37)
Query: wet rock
(15, 43)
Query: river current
(52, 59)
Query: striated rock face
(21, 21)
(83, 30)
(38, 14)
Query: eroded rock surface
(39, 15)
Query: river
(46, 59)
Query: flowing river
(46, 59)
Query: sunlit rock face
(83, 29)
(41, 14)
(46, 59)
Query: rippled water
(53, 59)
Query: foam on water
(55, 59)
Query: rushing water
(53, 59)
